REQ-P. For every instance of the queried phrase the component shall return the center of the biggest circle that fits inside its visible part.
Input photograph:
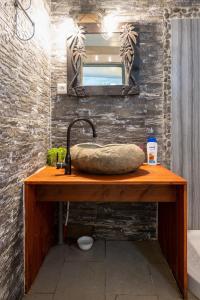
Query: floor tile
(81, 278)
(167, 298)
(96, 253)
(126, 270)
(78, 295)
(145, 251)
(130, 297)
(119, 251)
(46, 280)
(191, 296)
(49, 274)
(164, 282)
(110, 296)
(38, 297)
(129, 279)
(123, 270)
(126, 278)
(162, 273)
(151, 251)
(55, 257)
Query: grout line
(50, 87)
(105, 283)
(40, 293)
(50, 110)
(105, 249)
(59, 276)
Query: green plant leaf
(53, 153)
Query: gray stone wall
(24, 130)
(118, 120)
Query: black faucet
(67, 164)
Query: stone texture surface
(118, 119)
(24, 130)
(109, 159)
(25, 117)
(116, 221)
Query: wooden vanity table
(147, 184)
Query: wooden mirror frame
(76, 53)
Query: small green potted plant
(55, 155)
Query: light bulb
(67, 27)
(110, 24)
(60, 33)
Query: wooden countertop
(144, 175)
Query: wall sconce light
(18, 7)
(109, 25)
(66, 28)
(60, 32)
(70, 26)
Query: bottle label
(151, 158)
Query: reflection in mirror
(103, 63)
(103, 74)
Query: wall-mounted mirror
(103, 65)
(98, 65)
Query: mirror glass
(103, 63)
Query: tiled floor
(112, 270)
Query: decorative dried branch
(76, 46)
(128, 40)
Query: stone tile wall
(120, 119)
(24, 130)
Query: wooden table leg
(39, 233)
(172, 236)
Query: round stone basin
(111, 159)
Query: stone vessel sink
(109, 159)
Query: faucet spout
(67, 164)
